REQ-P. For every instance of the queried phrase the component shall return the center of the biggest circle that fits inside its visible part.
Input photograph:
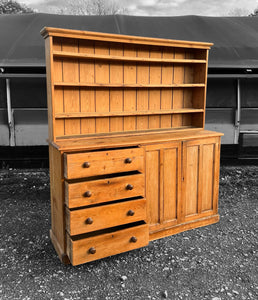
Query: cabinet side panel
(152, 187)
(58, 97)
(170, 184)
(50, 90)
(57, 200)
(207, 177)
(191, 180)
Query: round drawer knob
(87, 194)
(133, 239)
(89, 221)
(86, 164)
(92, 250)
(128, 160)
(129, 186)
(130, 213)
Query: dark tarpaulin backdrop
(235, 38)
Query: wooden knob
(86, 164)
(129, 187)
(87, 194)
(133, 239)
(128, 160)
(92, 250)
(89, 221)
(130, 212)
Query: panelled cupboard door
(200, 178)
(163, 185)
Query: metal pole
(10, 114)
(238, 114)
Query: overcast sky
(163, 7)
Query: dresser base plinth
(164, 232)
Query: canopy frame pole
(238, 113)
(10, 114)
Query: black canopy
(235, 38)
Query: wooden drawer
(105, 216)
(82, 250)
(104, 190)
(78, 165)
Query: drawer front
(101, 217)
(78, 165)
(104, 190)
(89, 249)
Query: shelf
(126, 113)
(87, 56)
(131, 86)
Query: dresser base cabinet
(167, 187)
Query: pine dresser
(130, 160)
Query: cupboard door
(200, 178)
(163, 173)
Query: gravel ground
(214, 262)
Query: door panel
(191, 180)
(152, 187)
(208, 157)
(200, 177)
(170, 184)
(163, 184)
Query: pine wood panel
(102, 162)
(201, 164)
(59, 92)
(163, 185)
(118, 38)
(50, 88)
(167, 95)
(191, 180)
(71, 96)
(143, 77)
(103, 190)
(130, 140)
(207, 176)
(116, 96)
(57, 231)
(105, 216)
(155, 94)
(153, 187)
(87, 96)
(102, 95)
(106, 244)
(118, 57)
(130, 101)
(170, 178)
(178, 94)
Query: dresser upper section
(108, 84)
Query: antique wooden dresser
(130, 160)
